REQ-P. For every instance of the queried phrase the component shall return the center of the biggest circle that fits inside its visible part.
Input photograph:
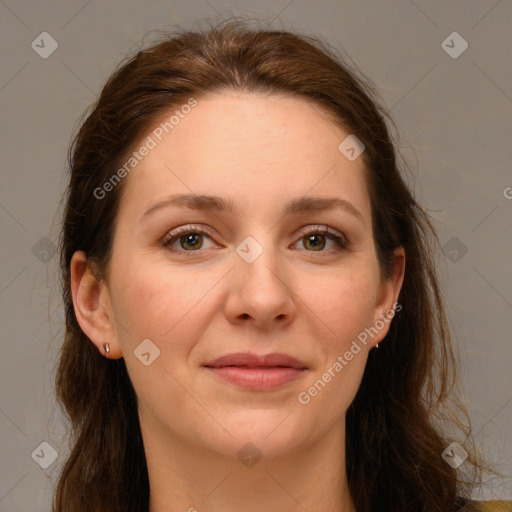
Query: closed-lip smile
(256, 372)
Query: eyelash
(342, 242)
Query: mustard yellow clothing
(487, 506)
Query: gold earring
(377, 346)
(107, 349)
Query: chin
(265, 434)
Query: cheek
(343, 306)
(153, 301)
(344, 302)
(167, 307)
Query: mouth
(245, 359)
(258, 373)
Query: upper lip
(255, 361)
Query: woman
(253, 316)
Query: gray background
(454, 115)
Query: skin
(310, 302)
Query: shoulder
(487, 506)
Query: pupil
(189, 239)
(312, 237)
(311, 241)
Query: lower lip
(257, 378)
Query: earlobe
(89, 294)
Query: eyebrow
(222, 205)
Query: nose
(260, 292)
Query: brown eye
(315, 241)
(186, 240)
(192, 240)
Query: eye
(315, 238)
(189, 238)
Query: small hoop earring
(377, 346)
(107, 349)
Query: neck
(190, 478)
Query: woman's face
(251, 278)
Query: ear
(386, 306)
(93, 311)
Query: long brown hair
(398, 422)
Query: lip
(255, 361)
(255, 372)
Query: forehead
(247, 146)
